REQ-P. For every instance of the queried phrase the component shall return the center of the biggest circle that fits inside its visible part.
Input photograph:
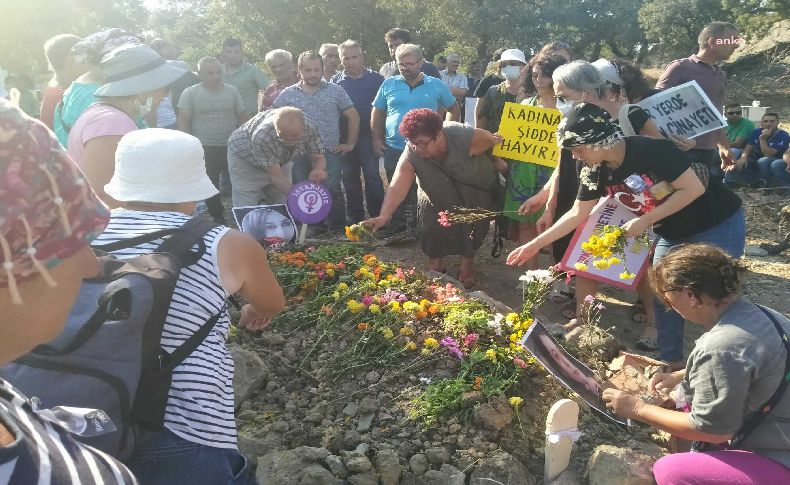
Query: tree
(675, 24)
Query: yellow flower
(354, 306)
(394, 306)
(424, 304)
(606, 253)
(351, 234)
(515, 401)
(406, 331)
(374, 308)
(511, 317)
(430, 343)
(580, 266)
(387, 332)
(586, 246)
(384, 283)
(336, 295)
(601, 264)
(410, 306)
(410, 345)
(342, 287)
(625, 275)
(614, 260)
(491, 355)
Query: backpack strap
(171, 361)
(753, 420)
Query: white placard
(469, 112)
(683, 110)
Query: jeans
(774, 171)
(334, 171)
(407, 210)
(362, 157)
(166, 459)
(216, 163)
(729, 235)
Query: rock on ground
(288, 467)
(493, 415)
(595, 338)
(249, 373)
(388, 466)
(610, 465)
(503, 468)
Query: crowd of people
(135, 130)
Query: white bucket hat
(608, 71)
(161, 166)
(136, 69)
(513, 55)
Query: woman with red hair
(453, 169)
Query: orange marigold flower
(478, 382)
(362, 326)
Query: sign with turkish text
(529, 134)
(308, 202)
(612, 211)
(683, 110)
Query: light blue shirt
(396, 98)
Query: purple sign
(309, 202)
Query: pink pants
(728, 467)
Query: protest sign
(469, 112)
(683, 110)
(529, 134)
(573, 374)
(611, 211)
(309, 202)
(271, 225)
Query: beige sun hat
(136, 69)
(161, 166)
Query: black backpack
(109, 355)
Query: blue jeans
(407, 210)
(362, 158)
(729, 235)
(166, 458)
(774, 171)
(334, 171)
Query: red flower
(443, 220)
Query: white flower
(495, 324)
(586, 173)
(537, 276)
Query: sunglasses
(560, 98)
(734, 112)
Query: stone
(493, 415)
(503, 468)
(432, 477)
(315, 418)
(336, 466)
(367, 478)
(418, 464)
(356, 462)
(350, 440)
(280, 426)
(388, 467)
(596, 339)
(249, 375)
(454, 475)
(368, 405)
(754, 250)
(372, 377)
(365, 421)
(630, 465)
(318, 475)
(437, 456)
(287, 467)
(272, 339)
(568, 477)
(351, 409)
(254, 446)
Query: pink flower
(589, 299)
(367, 300)
(443, 220)
(520, 363)
(470, 339)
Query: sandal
(559, 296)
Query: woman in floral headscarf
(79, 95)
(48, 215)
(692, 212)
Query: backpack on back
(109, 355)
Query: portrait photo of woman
(269, 225)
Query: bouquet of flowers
(468, 215)
(359, 232)
(608, 249)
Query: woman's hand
(317, 176)
(252, 320)
(533, 204)
(621, 403)
(376, 223)
(666, 381)
(635, 227)
(522, 254)
(684, 144)
(544, 221)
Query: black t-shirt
(661, 160)
(485, 83)
(638, 118)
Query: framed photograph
(271, 225)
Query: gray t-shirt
(213, 115)
(324, 108)
(734, 369)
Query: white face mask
(144, 109)
(511, 72)
(565, 106)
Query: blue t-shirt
(396, 98)
(779, 141)
(361, 91)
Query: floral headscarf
(92, 49)
(48, 212)
(588, 124)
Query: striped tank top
(200, 401)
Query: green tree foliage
(675, 24)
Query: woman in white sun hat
(137, 78)
(159, 176)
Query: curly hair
(701, 268)
(634, 83)
(423, 121)
(547, 63)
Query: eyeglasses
(560, 98)
(731, 113)
(421, 144)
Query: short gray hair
(325, 47)
(349, 44)
(287, 113)
(207, 60)
(280, 54)
(580, 76)
(404, 50)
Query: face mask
(565, 106)
(144, 109)
(511, 72)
